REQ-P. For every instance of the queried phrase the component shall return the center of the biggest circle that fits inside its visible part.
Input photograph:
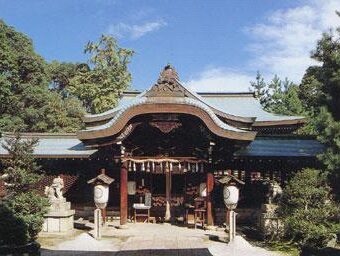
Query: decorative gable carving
(167, 85)
(166, 126)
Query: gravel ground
(239, 247)
(153, 239)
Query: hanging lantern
(179, 166)
(153, 166)
(143, 167)
(170, 166)
(148, 167)
(189, 167)
(129, 168)
(134, 166)
(196, 169)
(131, 188)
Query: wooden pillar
(123, 194)
(104, 215)
(210, 186)
(167, 216)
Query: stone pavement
(151, 239)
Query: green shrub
(13, 230)
(22, 218)
(309, 214)
(21, 215)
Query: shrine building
(175, 144)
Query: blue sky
(214, 45)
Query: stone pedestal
(59, 218)
(269, 223)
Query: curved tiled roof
(228, 112)
(123, 112)
(183, 101)
(243, 105)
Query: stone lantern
(101, 191)
(231, 197)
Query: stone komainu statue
(274, 192)
(55, 191)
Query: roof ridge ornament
(167, 84)
(168, 73)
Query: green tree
(60, 74)
(309, 214)
(21, 169)
(259, 87)
(25, 98)
(99, 85)
(24, 208)
(310, 92)
(277, 96)
(321, 94)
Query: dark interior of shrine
(173, 136)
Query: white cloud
(220, 80)
(283, 43)
(122, 30)
(280, 45)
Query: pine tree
(307, 209)
(20, 168)
(259, 87)
(22, 212)
(321, 94)
(279, 97)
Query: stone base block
(269, 223)
(58, 221)
(59, 218)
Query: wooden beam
(123, 194)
